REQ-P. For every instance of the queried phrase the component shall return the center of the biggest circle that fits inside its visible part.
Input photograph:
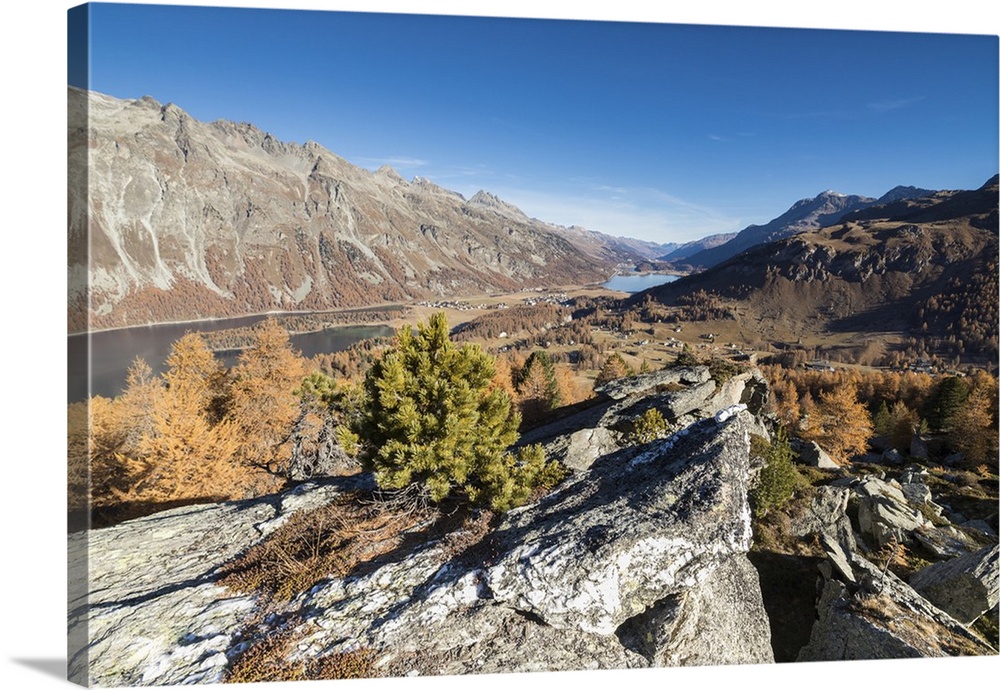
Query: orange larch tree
(841, 425)
(264, 404)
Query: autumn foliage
(198, 432)
(960, 412)
(614, 367)
(841, 425)
(429, 413)
(974, 425)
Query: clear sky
(661, 131)
(34, 55)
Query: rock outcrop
(966, 587)
(811, 454)
(875, 615)
(682, 395)
(889, 513)
(865, 611)
(638, 561)
(151, 612)
(827, 515)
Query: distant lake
(638, 282)
(112, 352)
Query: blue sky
(34, 54)
(661, 131)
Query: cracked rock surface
(639, 561)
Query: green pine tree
(776, 482)
(882, 420)
(687, 357)
(945, 401)
(648, 426)
(432, 417)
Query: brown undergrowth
(271, 657)
(346, 537)
(899, 620)
(330, 541)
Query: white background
(32, 252)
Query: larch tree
(615, 367)
(570, 391)
(187, 456)
(78, 455)
(537, 386)
(503, 376)
(974, 429)
(840, 424)
(902, 425)
(265, 405)
(784, 401)
(117, 429)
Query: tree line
(426, 411)
(200, 431)
(844, 409)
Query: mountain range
(683, 251)
(924, 267)
(185, 220)
(804, 215)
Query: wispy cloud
(469, 178)
(886, 106)
(615, 193)
(878, 107)
(643, 213)
(402, 162)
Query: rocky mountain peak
(188, 220)
(901, 192)
(387, 172)
(494, 203)
(826, 208)
(148, 102)
(430, 187)
(173, 110)
(827, 202)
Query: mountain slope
(192, 220)
(690, 248)
(929, 273)
(804, 215)
(604, 247)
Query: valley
(192, 221)
(375, 380)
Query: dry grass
(326, 542)
(474, 529)
(268, 660)
(912, 627)
(332, 541)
